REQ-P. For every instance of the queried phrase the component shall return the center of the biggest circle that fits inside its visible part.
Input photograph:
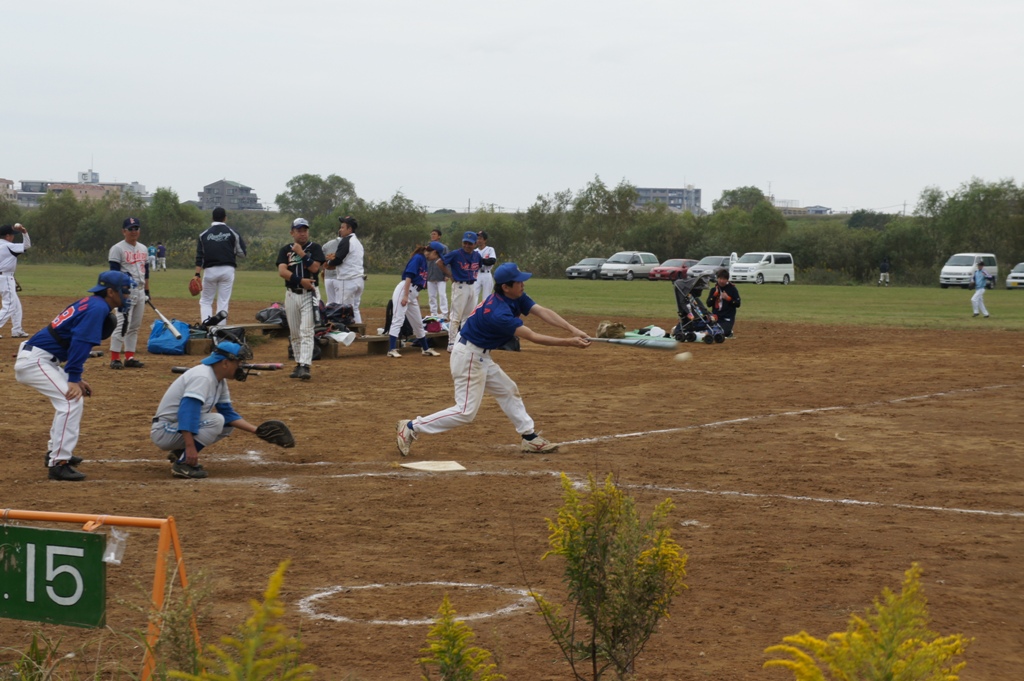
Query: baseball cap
(223, 350)
(119, 281)
(437, 246)
(6, 229)
(482, 234)
(299, 222)
(470, 237)
(508, 272)
(350, 221)
(130, 222)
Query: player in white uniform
(196, 410)
(484, 281)
(132, 258)
(9, 252)
(298, 264)
(346, 257)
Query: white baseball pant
(352, 294)
(484, 286)
(333, 289)
(161, 263)
(130, 339)
(410, 311)
(298, 308)
(475, 375)
(463, 304)
(11, 303)
(40, 370)
(437, 296)
(217, 281)
(166, 436)
(978, 302)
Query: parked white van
(762, 267)
(959, 269)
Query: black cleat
(64, 471)
(132, 363)
(183, 470)
(116, 364)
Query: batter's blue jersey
(494, 321)
(416, 270)
(464, 266)
(75, 332)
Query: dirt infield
(810, 466)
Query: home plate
(435, 466)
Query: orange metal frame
(168, 540)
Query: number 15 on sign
(55, 576)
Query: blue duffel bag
(163, 342)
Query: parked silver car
(588, 268)
(629, 265)
(1016, 277)
(711, 264)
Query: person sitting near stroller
(724, 300)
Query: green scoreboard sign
(55, 576)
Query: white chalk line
(799, 412)
(307, 605)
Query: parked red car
(670, 270)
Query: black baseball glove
(275, 432)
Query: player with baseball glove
(195, 285)
(196, 412)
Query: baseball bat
(167, 322)
(181, 370)
(275, 366)
(646, 343)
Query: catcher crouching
(196, 411)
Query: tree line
(561, 228)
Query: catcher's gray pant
(166, 436)
(463, 304)
(217, 282)
(484, 286)
(130, 339)
(351, 293)
(11, 304)
(410, 311)
(298, 308)
(437, 295)
(40, 370)
(476, 374)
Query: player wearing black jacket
(217, 250)
(724, 300)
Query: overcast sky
(844, 104)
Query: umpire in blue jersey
(495, 323)
(68, 339)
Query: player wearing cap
(343, 274)
(437, 283)
(405, 301)
(484, 281)
(493, 324)
(186, 422)
(9, 252)
(68, 339)
(298, 264)
(217, 251)
(131, 257)
(462, 266)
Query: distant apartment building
(819, 210)
(88, 187)
(228, 195)
(82, 192)
(679, 199)
(7, 192)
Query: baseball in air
(684, 356)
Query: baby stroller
(696, 323)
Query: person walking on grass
(981, 279)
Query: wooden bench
(378, 345)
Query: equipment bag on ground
(163, 342)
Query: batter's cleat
(394, 353)
(405, 436)
(64, 471)
(132, 363)
(538, 445)
(20, 334)
(304, 372)
(74, 460)
(116, 364)
(296, 372)
(431, 352)
(183, 470)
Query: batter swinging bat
(167, 322)
(646, 343)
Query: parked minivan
(629, 265)
(762, 267)
(959, 269)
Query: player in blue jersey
(405, 301)
(494, 323)
(462, 266)
(68, 339)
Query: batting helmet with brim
(119, 281)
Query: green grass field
(829, 305)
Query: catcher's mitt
(195, 285)
(275, 432)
